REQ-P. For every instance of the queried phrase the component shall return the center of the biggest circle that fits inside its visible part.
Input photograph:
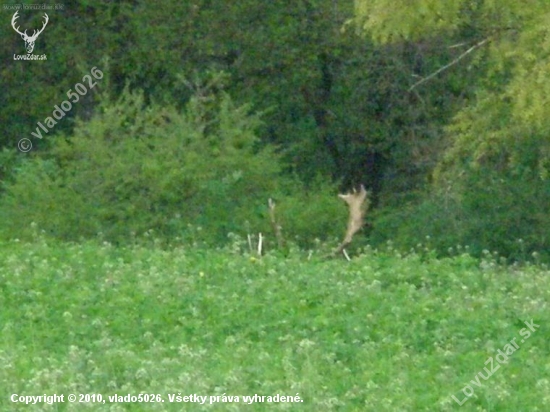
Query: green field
(383, 332)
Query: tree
(495, 167)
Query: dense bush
(484, 210)
(135, 168)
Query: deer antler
(46, 20)
(357, 204)
(15, 17)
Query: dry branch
(277, 230)
(452, 63)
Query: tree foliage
(498, 146)
(511, 105)
(334, 103)
(440, 98)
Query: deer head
(29, 40)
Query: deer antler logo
(29, 40)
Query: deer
(358, 204)
(29, 40)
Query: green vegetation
(132, 169)
(126, 233)
(490, 186)
(385, 332)
(208, 109)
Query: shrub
(485, 210)
(134, 168)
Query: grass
(383, 332)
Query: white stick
(260, 238)
(346, 254)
